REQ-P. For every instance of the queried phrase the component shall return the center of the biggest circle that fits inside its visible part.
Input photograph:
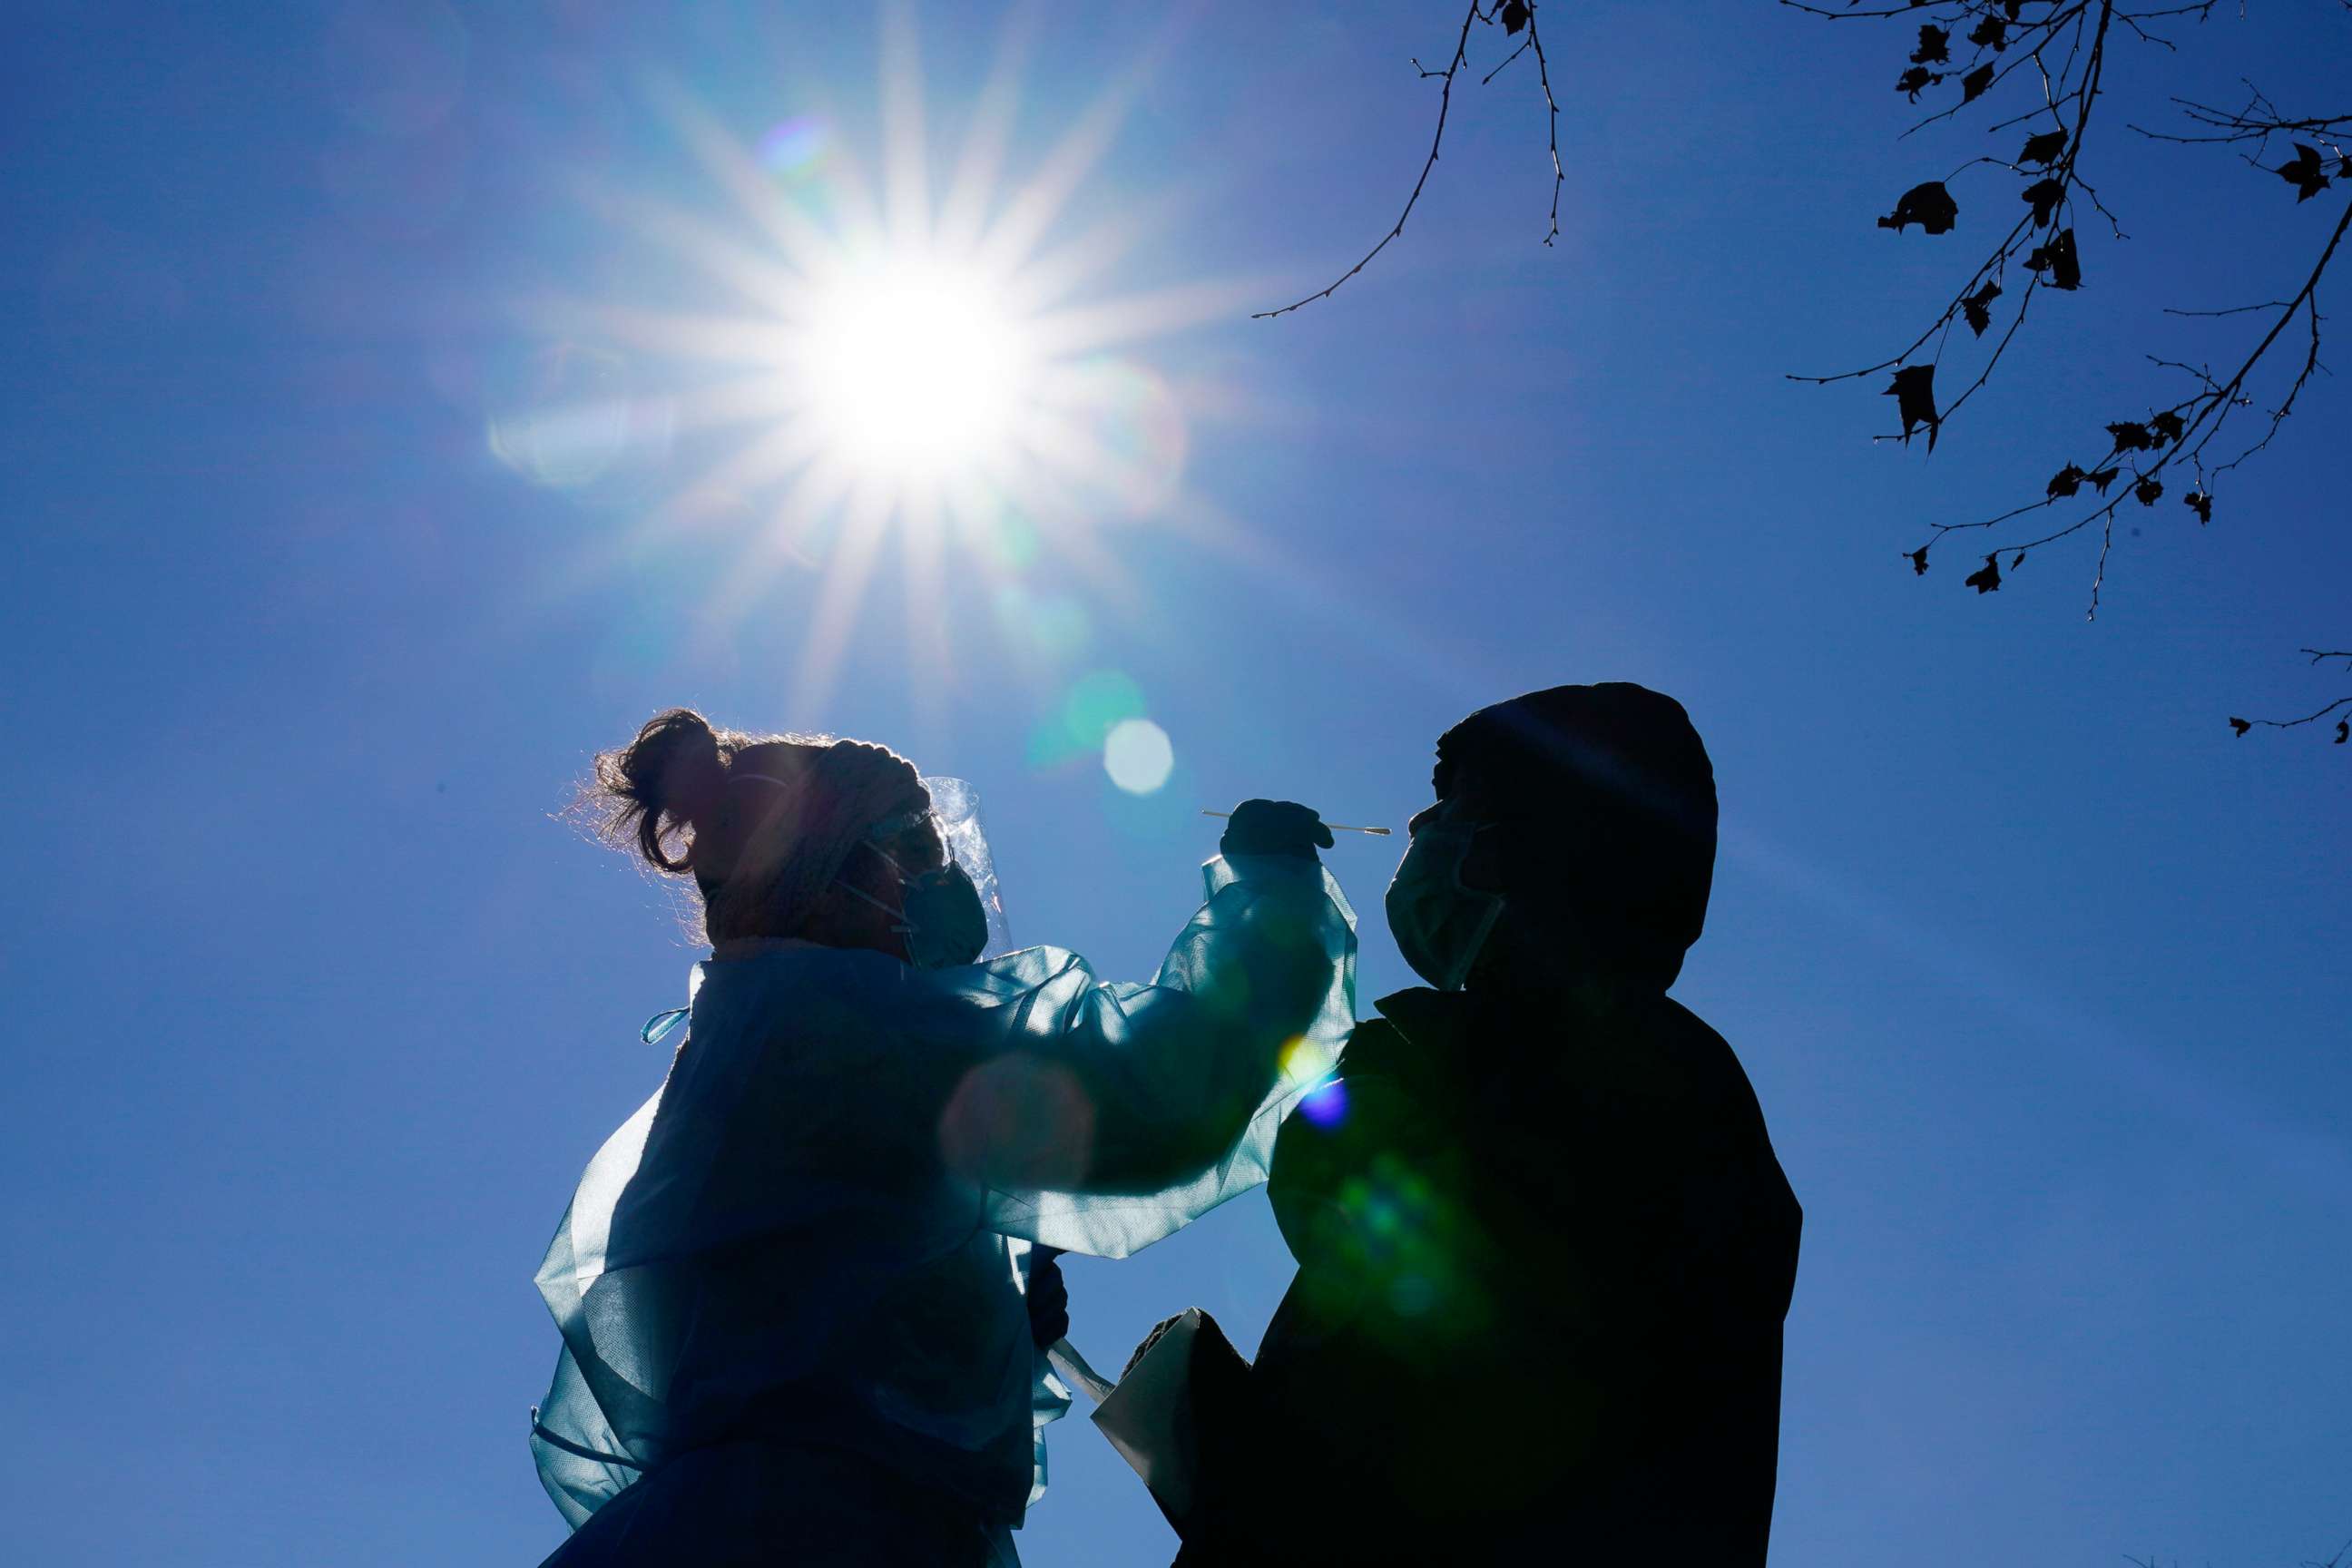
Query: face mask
(938, 914)
(1439, 924)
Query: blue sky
(2037, 970)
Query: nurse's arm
(1128, 1089)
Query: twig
(1444, 106)
(2067, 48)
(2292, 723)
(1477, 11)
(1551, 121)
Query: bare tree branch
(2291, 723)
(2068, 49)
(1551, 121)
(1514, 16)
(2046, 63)
(2343, 1552)
(1444, 106)
(2200, 419)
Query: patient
(1544, 1246)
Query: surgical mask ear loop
(953, 929)
(903, 928)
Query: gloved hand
(1049, 1297)
(1275, 828)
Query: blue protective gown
(793, 1331)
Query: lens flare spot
(1304, 1061)
(1411, 1295)
(795, 146)
(1019, 1121)
(1013, 537)
(1053, 625)
(1327, 1106)
(1095, 703)
(562, 446)
(1138, 756)
(395, 70)
(1132, 420)
(568, 420)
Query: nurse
(790, 1286)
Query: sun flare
(915, 368)
(863, 369)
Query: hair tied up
(670, 778)
(762, 857)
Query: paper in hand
(1154, 1416)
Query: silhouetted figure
(1544, 1246)
(790, 1288)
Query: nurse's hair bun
(668, 782)
(764, 823)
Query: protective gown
(794, 1328)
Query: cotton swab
(1334, 826)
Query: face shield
(955, 812)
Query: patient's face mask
(1440, 924)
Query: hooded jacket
(1544, 1245)
(1538, 1307)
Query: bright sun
(921, 357)
(915, 369)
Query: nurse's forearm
(1200, 1063)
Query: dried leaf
(2303, 171)
(2103, 478)
(1930, 207)
(2241, 726)
(1919, 561)
(2147, 490)
(1978, 307)
(1993, 33)
(2131, 436)
(1972, 86)
(1987, 579)
(2044, 148)
(2046, 196)
(2200, 503)
(1514, 16)
(2059, 260)
(2167, 425)
(1916, 81)
(1914, 391)
(1935, 47)
(2065, 482)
